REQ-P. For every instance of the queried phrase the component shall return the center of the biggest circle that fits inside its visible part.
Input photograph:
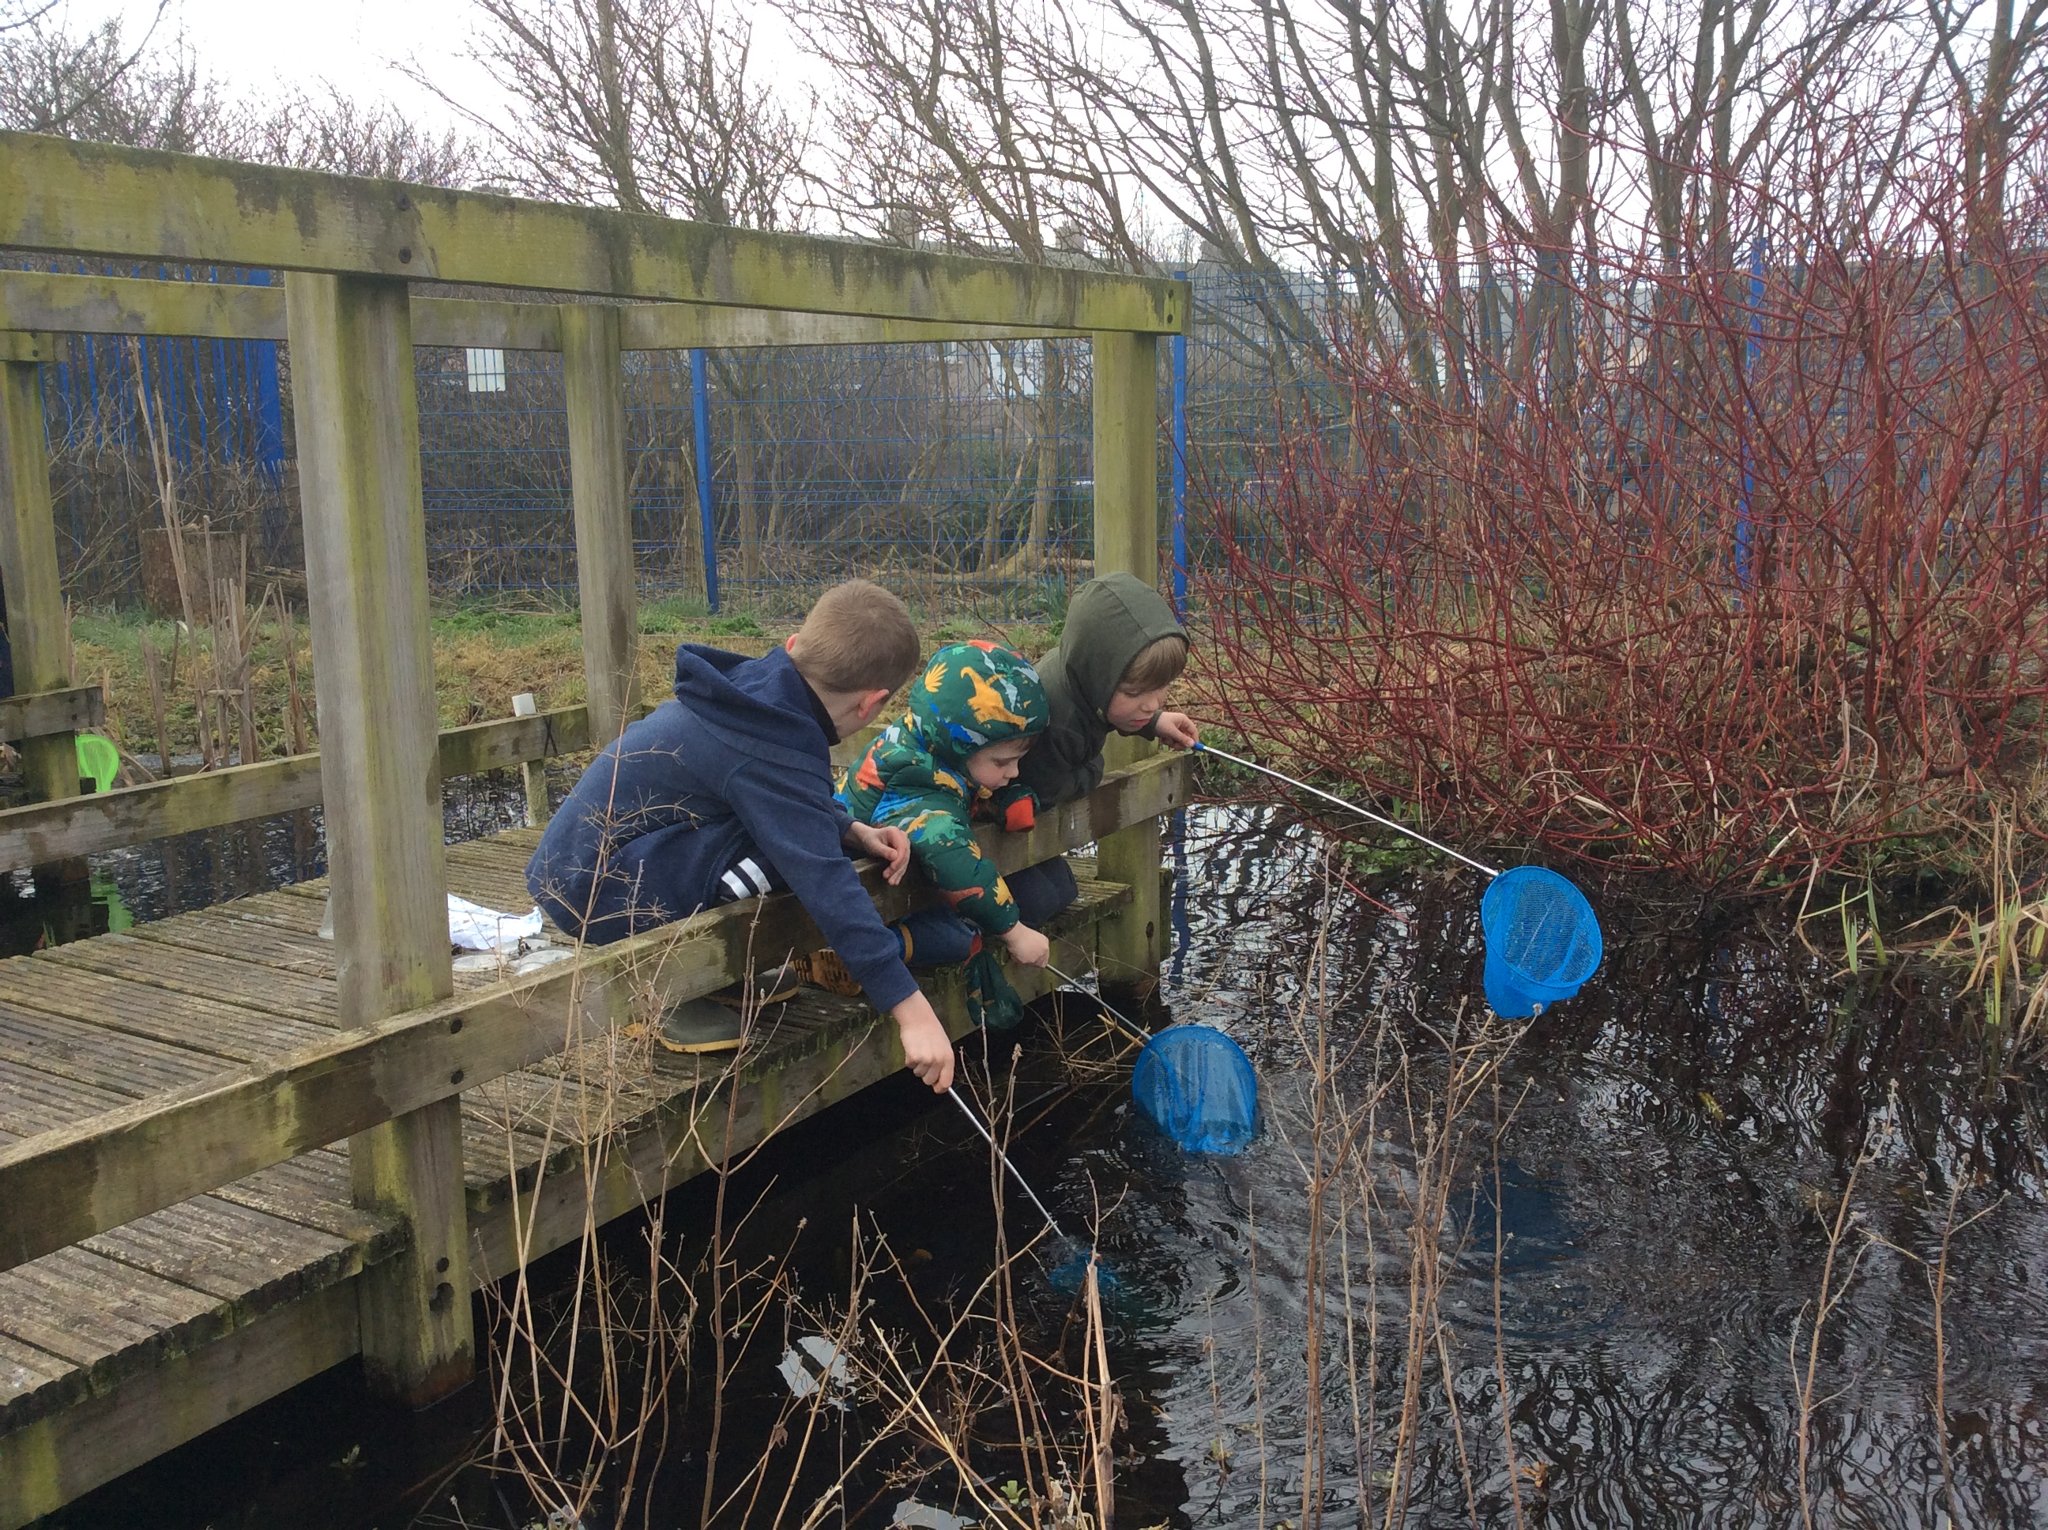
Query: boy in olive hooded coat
(1120, 649)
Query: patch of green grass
(672, 613)
(739, 624)
(512, 624)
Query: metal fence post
(700, 413)
(1752, 352)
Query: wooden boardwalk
(179, 1236)
(105, 1343)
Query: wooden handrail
(64, 1185)
(44, 832)
(48, 712)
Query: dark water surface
(1675, 1147)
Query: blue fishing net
(1199, 1088)
(1542, 940)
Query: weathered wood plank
(33, 1101)
(234, 1027)
(595, 399)
(80, 198)
(87, 1309)
(55, 1459)
(230, 1253)
(129, 815)
(93, 1054)
(38, 627)
(125, 305)
(122, 305)
(692, 326)
(65, 711)
(373, 675)
(1126, 456)
(69, 1184)
(260, 944)
(200, 974)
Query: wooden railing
(63, 1186)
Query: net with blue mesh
(1542, 941)
(1199, 1088)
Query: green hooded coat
(1110, 620)
(914, 776)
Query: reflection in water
(1681, 1140)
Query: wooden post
(538, 810)
(38, 628)
(604, 515)
(1131, 943)
(366, 577)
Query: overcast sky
(356, 44)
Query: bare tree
(650, 106)
(331, 131)
(99, 85)
(956, 130)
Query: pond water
(1627, 1231)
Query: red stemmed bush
(1729, 565)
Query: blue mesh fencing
(959, 473)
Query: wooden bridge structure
(235, 1152)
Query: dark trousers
(938, 937)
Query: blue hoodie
(739, 763)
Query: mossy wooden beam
(65, 1455)
(38, 627)
(63, 1186)
(129, 305)
(594, 393)
(95, 199)
(689, 326)
(46, 712)
(1126, 445)
(373, 677)
(129, 815)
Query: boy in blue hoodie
(726, 793)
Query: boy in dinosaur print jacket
(974, 712)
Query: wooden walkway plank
(201, 974)
(89, 1309)
(224, 1027)
(32, 1101)
(266, 945)
(94, 1054)
(229, 1252)
(313, 1190)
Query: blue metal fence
(959, 473)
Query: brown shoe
(824, 969)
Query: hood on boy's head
(1110, 621)
(975, 694)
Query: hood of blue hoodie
(747, 701)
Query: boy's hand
(889, 846)
(1177, 729)
(927, 1049)
(1027, 945)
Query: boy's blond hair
(1158, 663)
(858, 637)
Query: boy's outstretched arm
(927, 1049)
(1177, 729)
